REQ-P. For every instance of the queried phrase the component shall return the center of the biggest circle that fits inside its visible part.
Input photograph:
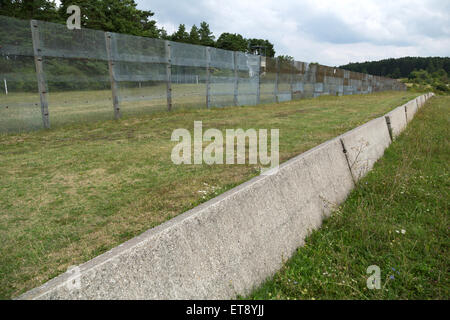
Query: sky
(330, 32)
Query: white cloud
(326, 31)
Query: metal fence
(52, 76)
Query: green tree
(267, 47)
(194, 35)
(396, 74)
(206, 36)
(286, 58)
(232, 41)
(180, 35)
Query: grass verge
(396, 218)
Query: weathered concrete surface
(411, 108)
(365, 145)
(396, 120)
(419, 100)
(225, 246)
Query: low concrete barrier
(396, 121)
(232, 243)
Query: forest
(419, 73)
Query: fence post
(112, 76)
(236, 79)
(168, 75)
(258, 88)
(208, 62)
(291, 79)
(277, 67)
(42, 84)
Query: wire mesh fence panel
(222, 78)
(188, 87)
(78, 90)
(298, 80)
(56, 40)
(76, 72)
(140, 70)
(285, 75)
(328, 88)
(319, 88)
(310, 80)
(268, 80)
(19, 99)
(248, 66)
(20, 108)
(189, 76)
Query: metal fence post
(236, 79)
(42, 83)
(258, 88)
(112, 76)
(277, 67)
(168, 75)
(208, 62)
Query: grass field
(396, 218)
(73, 192)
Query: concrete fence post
(291, 80)
(112, 76)
(236, 79)
(42, 83)
(258, 87)
(277, 67)
(208, 86)
(168, 75)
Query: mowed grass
(71, 193)
(396, 218)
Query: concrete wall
(232, 243)
(396, 121)
(365, 145)
(411, 108)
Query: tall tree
(194, 35)
(206, 36)
(180, 35)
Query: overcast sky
(331, 32)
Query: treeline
(401, 67)
(202, 35)
(122, 16)
(422, 80)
